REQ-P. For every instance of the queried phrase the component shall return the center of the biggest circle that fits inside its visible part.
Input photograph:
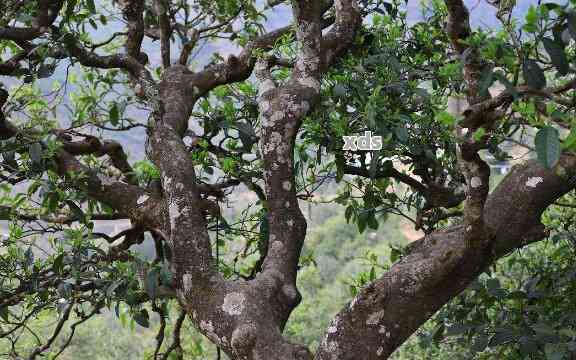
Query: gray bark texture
(246, 318)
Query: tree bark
(441, 265)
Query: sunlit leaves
(479, 134)
(531, 17)
(146, 171)
(374, 270)
(445, 118)
(393, 88)
(570, 141)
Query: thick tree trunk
(246, 318)
(441, 265)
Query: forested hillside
(336, 261)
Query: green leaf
(371, 221)
(438, 334)
(395, 254)
(34, 187)
(557, 55)
(570, 141)
(479, 134)
(390, 9)
(552, 6)
(362, 219)
(372, 275)
(58, 263)
(445, 118)
(91, 6)
(4, 313)
(348, 213)
(142, 318)
(132, 298)
(543, 329)
(114, 114)
(533, 74)
(493, 284)
(548, 146)
(494, 288)
(9, 158)
(531, 24)
(458, 329)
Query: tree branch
(160, 7)
(441, 265)
(132, 11)
(47, 13)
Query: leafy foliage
(399, 82)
